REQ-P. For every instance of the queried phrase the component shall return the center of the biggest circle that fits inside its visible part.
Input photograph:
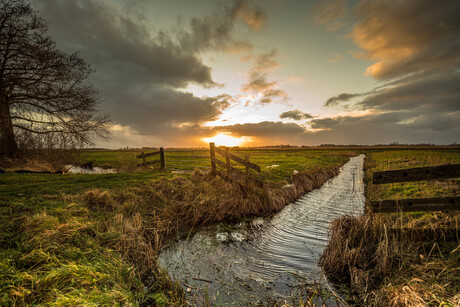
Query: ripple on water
(267, 257)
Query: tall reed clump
(206, 199)
(380, 263)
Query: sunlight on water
(267, 258)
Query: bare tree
(43, 91)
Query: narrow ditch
(265, 259)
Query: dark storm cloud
(432, 93)
(216, 31)
(406, 37)
(258, 84)
(344, 97)
(105, 36)
(415, 46)
(264, 129)
(296, 115)
(169, 109)
(140, 70)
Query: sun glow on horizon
(225, 139)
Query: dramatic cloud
(344, 97)
(259, 86)
(216, 32)
(415, 45)
(330, 13)
(267, 132)
(407, 37)
(143, 64)
(433, 93)
(296, 115)
(140, 70)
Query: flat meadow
(92, 239)
(399, 259)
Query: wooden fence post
(213, 156)
(144, 162)
(229, 166)
(162, 158)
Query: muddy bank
(265, 259)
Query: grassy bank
(93, 239)
(400, 259)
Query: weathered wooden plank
(220, 151)
(221, 163)
(416, 204)
(417, 174)
(238, 159)
(149, 163)
(240, 174)
(212, 153)
(145, 155)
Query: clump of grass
(97, 199)
(379, 266)
(60, 262)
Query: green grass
(61, 244)
(23, 187)
(57, 259)
(80, 239)
(285, 161)
(109, 158)
(378, 266)
(401, 159)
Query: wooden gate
(417, 204)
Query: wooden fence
(419, 204)
(230, 172)
(182, 160)
(161, 161)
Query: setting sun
(224, 139)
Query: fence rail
(417, 174)
(237, 159)
(417, 204)
(230, 171)
(144, 157)
(187, 162)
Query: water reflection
(75, 169)
(265, 258)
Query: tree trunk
(8, 146)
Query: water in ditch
(265, 259)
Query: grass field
(92, 240)
(399, 259)
(391, 160)
(276, 164)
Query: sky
(245, 72)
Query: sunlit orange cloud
(225, 139)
